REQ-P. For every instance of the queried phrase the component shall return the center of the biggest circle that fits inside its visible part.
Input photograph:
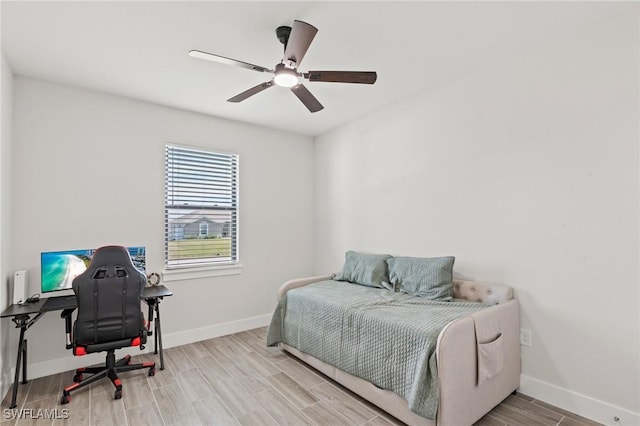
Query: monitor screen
(59, 268)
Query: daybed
(475, 362)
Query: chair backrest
(108, 295)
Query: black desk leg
(22, 357)
(155, 337)
(152, 303)
(24, 361)
(150, 316)
(159, 335)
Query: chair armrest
(66, 314)
(301, 282)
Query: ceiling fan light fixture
(296, 41)
(285, 77)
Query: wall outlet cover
(525, 337)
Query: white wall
(89, 171)
(6, 110)
(528, 173)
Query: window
(201, 208)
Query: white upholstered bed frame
(462, 400)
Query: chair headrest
(110, 261)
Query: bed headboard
(477, 291)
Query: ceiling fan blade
(300, 39)
(227, 61)
(362, 77)
(307, 98)
(248, 93)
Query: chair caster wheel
(152, 371)
(77, 378)
(118, 394)
(66, 398)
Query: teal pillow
(431, 278)
(365, 269)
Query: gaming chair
(109, 317)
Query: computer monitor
(59, 268)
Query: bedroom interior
(505, 134)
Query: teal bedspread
(386, 338)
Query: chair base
(110, 370)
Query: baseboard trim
(212, 331)
(66, 363)
(586, 406)
(7, 380)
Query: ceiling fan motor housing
(283, 33)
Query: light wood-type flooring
(232, 380)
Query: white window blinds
(201, 208)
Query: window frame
(202, 270)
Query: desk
(21, 315)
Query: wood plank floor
(232, 380)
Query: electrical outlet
(525, 337)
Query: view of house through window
(201, 207)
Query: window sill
(179, 274)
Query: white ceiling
(139, 49)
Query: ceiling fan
(296, 41)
